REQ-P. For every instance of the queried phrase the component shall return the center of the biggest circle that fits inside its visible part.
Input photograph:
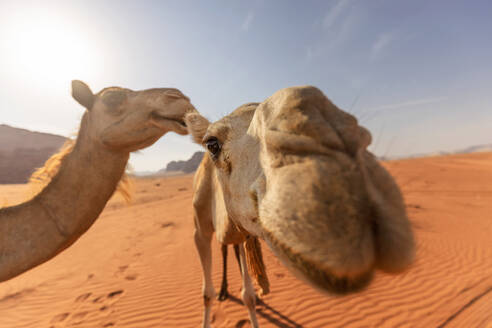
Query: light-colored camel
(294, 171)
(117, 122)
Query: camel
(295, 172)
(117, 121)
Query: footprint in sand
(131, 277)
(115, 293)
(98, 299)
(241, 323)
(86, 304)
(78, 318)
(121, 270)
(83, 297)
(60, 317)
(415, 206)
(110, 296)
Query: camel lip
(158, 116)
(165, 124)
(314, 273)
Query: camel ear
(82, 93)
(197, 126)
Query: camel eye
(213, 146)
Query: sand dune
(137, 266)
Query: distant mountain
(475, 149)
(467, 150)
(22, 151)
(185, 166)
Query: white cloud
(411, 103)
(380, 44)
(339, 25)
(334, 14)
(247, 21)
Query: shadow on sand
(267, 312)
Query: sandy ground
(137, 266)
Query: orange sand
(137, 266)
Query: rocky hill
(21, 151)
(476, 149)
(185, 166)
(484, 148)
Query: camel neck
(35, 231)
(87, 178)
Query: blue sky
(418, 74)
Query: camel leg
(205, 251)
(236, 252)
(248, 292)
(223, 294)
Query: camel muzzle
(317, 218)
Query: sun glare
(48, 48)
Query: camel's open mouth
(161, 117)
(177, 124)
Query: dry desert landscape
(137, 266)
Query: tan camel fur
(117, 121)
(294, 171)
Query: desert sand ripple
(137, 266)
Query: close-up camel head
(126, 120)
(295, 171)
